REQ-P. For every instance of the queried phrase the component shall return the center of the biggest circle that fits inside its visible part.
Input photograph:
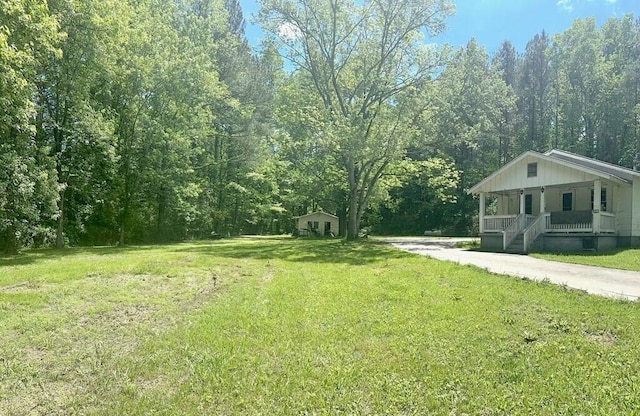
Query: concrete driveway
(594, 280)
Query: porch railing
(505, 224)
(532, 232)
(498, 222)
(567, 228)
(512, 231)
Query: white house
(318, 223)
(558, 201)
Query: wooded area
(151, 121)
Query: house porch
(558, 218)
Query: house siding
(624, 209)
(549, 174)
(635, 209)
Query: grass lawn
(625, 259)
(282, 326)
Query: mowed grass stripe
(325, 327)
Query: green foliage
(358, 64)
(125, 118)
(28, 35)
(421, 198)
(155, 121)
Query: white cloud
(289, 31)
(569, 4)
(565, 4)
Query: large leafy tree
(69, 122)
(362, 60)
(534, 86)
(467, 121)
(28, 35)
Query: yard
(285, 326)
(625, 259)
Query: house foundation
(559, 243)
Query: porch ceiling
(572, 185)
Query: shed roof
(316, 213)
(569, 160)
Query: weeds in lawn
(283, 326)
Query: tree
(28, 36)
(506, 62)
(535, 94)
(423, 197)
(68, 122)
(466, 121)
(363, 60)
(583, 78)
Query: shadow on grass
(334, 251)
(330, 251)
(30, 256)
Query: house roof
(615, 170)
(316, 213)
(578, 163)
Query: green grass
(625, 259)
(284, 326)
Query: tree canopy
(149, 121)
(361, 62)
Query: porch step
(517, 245)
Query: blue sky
(492, 21)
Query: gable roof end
(315, 213)
(591, 166)
(477, 186)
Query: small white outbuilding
(318, 223)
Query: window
(603, 199)
(532, 170)
(567, 201)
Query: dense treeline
(578, 91)
(128, 121)
(153, 120)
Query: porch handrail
(537, 227)
(512, 231)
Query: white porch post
(542, 201)
(522, 208)
(482, 211)
(597, 203)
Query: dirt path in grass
(594, 280)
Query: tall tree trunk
(12, 241)
(60, 222)
(353, 223)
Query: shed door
(327, 228)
